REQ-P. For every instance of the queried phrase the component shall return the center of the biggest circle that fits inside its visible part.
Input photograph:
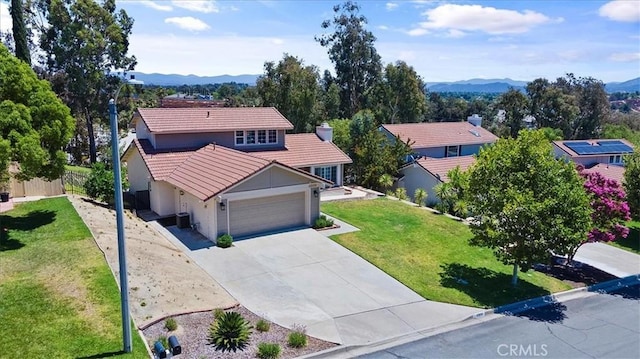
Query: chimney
(325, 132)
(475, 120)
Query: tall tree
(592, 102)
(526, 202)
(552, 107)
(34, 124)
(516, 107)
(83, 43)
(352, 51)
(20, 31)
(399, 96)
(632, 183)
(293, 89)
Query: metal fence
(74, 182)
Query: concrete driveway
(301, 277)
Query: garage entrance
(265, 214)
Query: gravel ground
(193, 330)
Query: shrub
(268, 350)
(323, 222)
(230, 332)
(217, 313)
(420, 196)
(170, 324)
(263, 325)
(163, 340)
(224, 241)
(297, 338)
(99, 184)
(401, 194)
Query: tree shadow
(487, 287)
(28, 222)
(550, 313)
(103, 355)
(629, 292)
(632, 241)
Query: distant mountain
(627, 86)
(178, 80)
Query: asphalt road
(599, 326)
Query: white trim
(255, 138)
(307, 206)
(268, 192)
(297, 171)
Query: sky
(442, 40)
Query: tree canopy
(525, 201)
(632, 183)
(399, 95)
(34, 124)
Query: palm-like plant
(230, 332)
(420, 196)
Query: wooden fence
(35, 187)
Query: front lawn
(430, 254)
(58, 297)
(632, 242)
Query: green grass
(77, 169)
(430, 254)
(632, 242)
(59, 298)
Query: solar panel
(577, 143)
(608, 143)
(603, 147)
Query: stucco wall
(416, 177)
(193, 140)
(137, 172)
(271, 178)
(161, 197)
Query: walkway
(610, 259)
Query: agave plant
(230, 332)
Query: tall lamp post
(122, 255)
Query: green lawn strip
(59, 297)
(78, 169)
(632, 242)
(430, 254)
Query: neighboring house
(591, 152)
(613, 172)
(438, 147)
(429, 172)
(231, 169)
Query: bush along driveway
(430, 254)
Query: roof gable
(159, 163)
(440, 167)
(440, 134)
(195, 120)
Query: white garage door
(264, 214)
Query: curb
(509, 309)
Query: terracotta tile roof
(212, 169)
(160, 163)
(304, 150)
(438, 134)
(439, 167)
(609, 171)
(561, 145)
(190, 120)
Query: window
(251, 137)
(329, 173)
(452, 151)
(262, 136)
(256, 137)
(617, 159)
(239, 137)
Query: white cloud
(621, 10)
(455, 33)
(187, 23)
(204, 6)
(383, 27)
(277, 41)
(417, 32)
(154, 5)
(391, 6)
(625, 56)
(479, 18)
(5, 17)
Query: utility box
(183, 220)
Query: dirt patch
(193, 330)
(162, 280)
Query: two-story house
(232, 170)
(604, 156)
(438, 147)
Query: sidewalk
(610, 259)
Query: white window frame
(446, 151)
(615, 159)
(244, 137)
(326, 172)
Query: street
(597, 326)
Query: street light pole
(122, 250)
(122, 253)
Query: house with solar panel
(230, 170)
(604, 156)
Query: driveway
(301, 277)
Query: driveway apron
(303, 278)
